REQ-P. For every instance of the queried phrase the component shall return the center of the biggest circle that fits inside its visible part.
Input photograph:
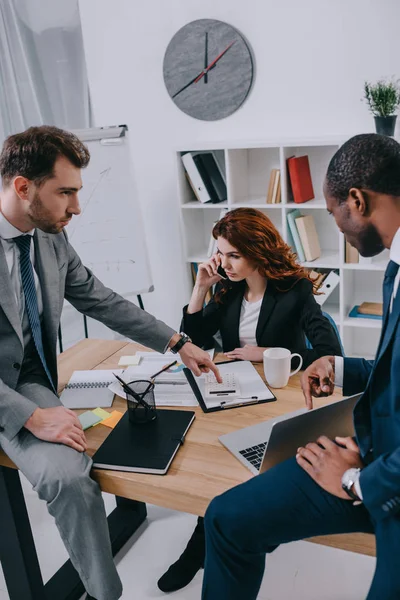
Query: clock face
(208, 69)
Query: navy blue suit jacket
(377, 418)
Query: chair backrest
(336, 330)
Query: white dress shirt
(339, 362)
(249, 315)
(11, 251)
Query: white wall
(311, 56)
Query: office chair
(332, 322)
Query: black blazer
(285, 319)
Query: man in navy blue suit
(353, 484)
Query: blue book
(354, 313)
(291, 219)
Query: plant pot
(385, 125)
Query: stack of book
(367, 310)
(301, 187)
(304, 236)
(205, 177)
(274, 187)
(351, 255)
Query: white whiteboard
(108, 235)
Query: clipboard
(253, 388)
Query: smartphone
(221, 272)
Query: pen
(158, 373)
(164, 369)
(171, 382)
(225, 404)
(130, 392)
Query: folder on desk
(253, 390)
(147, 447)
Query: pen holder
(142, 406)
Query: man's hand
(325, 462)
(198, 361)
(253, 353)
(318, 379)
(59, 425)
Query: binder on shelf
(211, 176)
(309, 237)
(330, 282)
(291, 219)
(351, 255)
(195, 180)
(300, 178)
(318, 278)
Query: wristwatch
(184, 338)
(349, 478)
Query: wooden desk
(202, 468)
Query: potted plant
(383, 98)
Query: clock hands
(184, 87)
(206, 58)
(213, 63)
(206, 69)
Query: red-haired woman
(266, 300)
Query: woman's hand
(207, 273)
(253, 353)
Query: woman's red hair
(256, 238)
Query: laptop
(260, 447)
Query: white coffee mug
(277, 363)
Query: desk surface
(202, 468)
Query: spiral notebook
(89, 389)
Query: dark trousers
(283, 505)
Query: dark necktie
(388, 285)
(31, 305)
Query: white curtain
(42, 66)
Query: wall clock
(208, 69)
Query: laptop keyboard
(254, 454)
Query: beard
(41, 217)
(369, 242)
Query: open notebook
(89, 389)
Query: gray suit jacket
(62, 275)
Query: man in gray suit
(41, 176)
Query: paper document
(252, 387)
(171, 387)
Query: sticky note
(129, 360)
(112, 419)
(100, 412)
(88, 419)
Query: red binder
(300, 178)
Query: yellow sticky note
(100, 412)
(112, 419)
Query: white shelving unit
(247, 170)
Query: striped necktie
(31, 304)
